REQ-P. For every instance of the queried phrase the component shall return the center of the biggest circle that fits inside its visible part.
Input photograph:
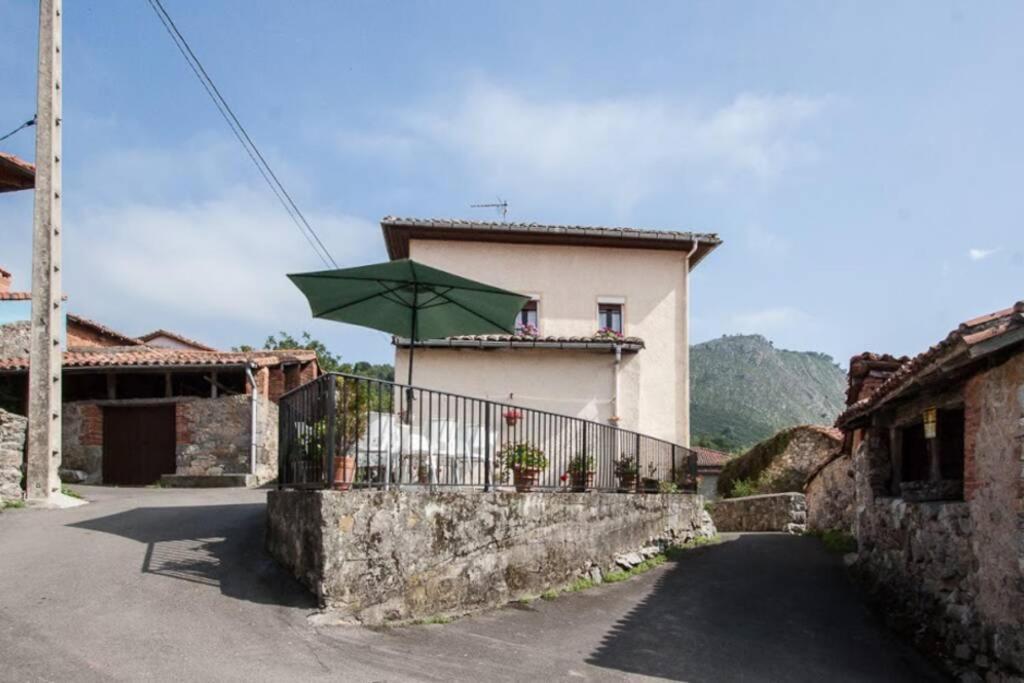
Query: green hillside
(745, 390)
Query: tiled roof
(149, 356)
(177, 337)
(397, 232)
(974, 338)
(15, 296)
(103, 329)
(709, 458)
(524, 341)
(15, 173)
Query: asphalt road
(156, 584)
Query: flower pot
(581, 481)
(423, 474)
(649, 485)
(525, 478)
(627, 482)
(511, 421)
(344, 472)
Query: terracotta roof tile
(103, 329)
(525, 341)
(177, 337)
(149, 356)
(707, 457)
(15, 296)
(968, 334)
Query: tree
(329, 362)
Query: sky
(861, 161)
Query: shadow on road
(760, 607)
(216, 545)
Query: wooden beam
(111, 386)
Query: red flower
(565, 476)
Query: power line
(30, 122)
(243, 137)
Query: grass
(837, 541)
(549, 594)
(69, 493)
(436, 619)
(12, 504)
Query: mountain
(745, 390)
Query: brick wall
(82, 439)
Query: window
(526, 321)
(609, 317)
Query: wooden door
(138, 444)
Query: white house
(631, 283)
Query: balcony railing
(356, 432)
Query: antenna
(501, 205)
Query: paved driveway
(151, 584)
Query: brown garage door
(138, 444)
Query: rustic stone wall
(383, 556)
(213, 436)
(952, 573)
(771, 512)
(15, 339)
(266, 440)
(830, 497)
(82, 442)
(12, 454)
(782, 463)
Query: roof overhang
(16, 174)
(399, 231)
(583, 345)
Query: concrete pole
(44, 380)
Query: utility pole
(42, 482)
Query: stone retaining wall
(384, 556)
(831, 497)
(770, 512)
(12, 453)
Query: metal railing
(356, 432)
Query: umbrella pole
(412, 352)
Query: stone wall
(12, 454)
(782, 463)
(15, 339)
(213, 436)
(383, 556)
(952, 573)
(771, 512)
(82, 443)
(830, 497)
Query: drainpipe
(686, 342)
(253, 402)
(615, 384)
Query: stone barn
(136, 413)
(935, 444)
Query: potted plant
(609, 334)
(423, 473)
(526, 462)
(527, 330)
(626, 471)
(581, 472)
(512, 416)
(650, 483)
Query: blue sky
(862, 162)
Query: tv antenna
(501, 205)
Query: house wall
(15, 339)
(957, 568)
(569, 280)
(12, 453)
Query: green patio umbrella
(411, 300)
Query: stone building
(136, 413)
(709, 467)
(782, 463)
(935, 445)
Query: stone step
(209, 481)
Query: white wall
(569, 282)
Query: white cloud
(980, 254)
(624, 148)
(769, 319)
